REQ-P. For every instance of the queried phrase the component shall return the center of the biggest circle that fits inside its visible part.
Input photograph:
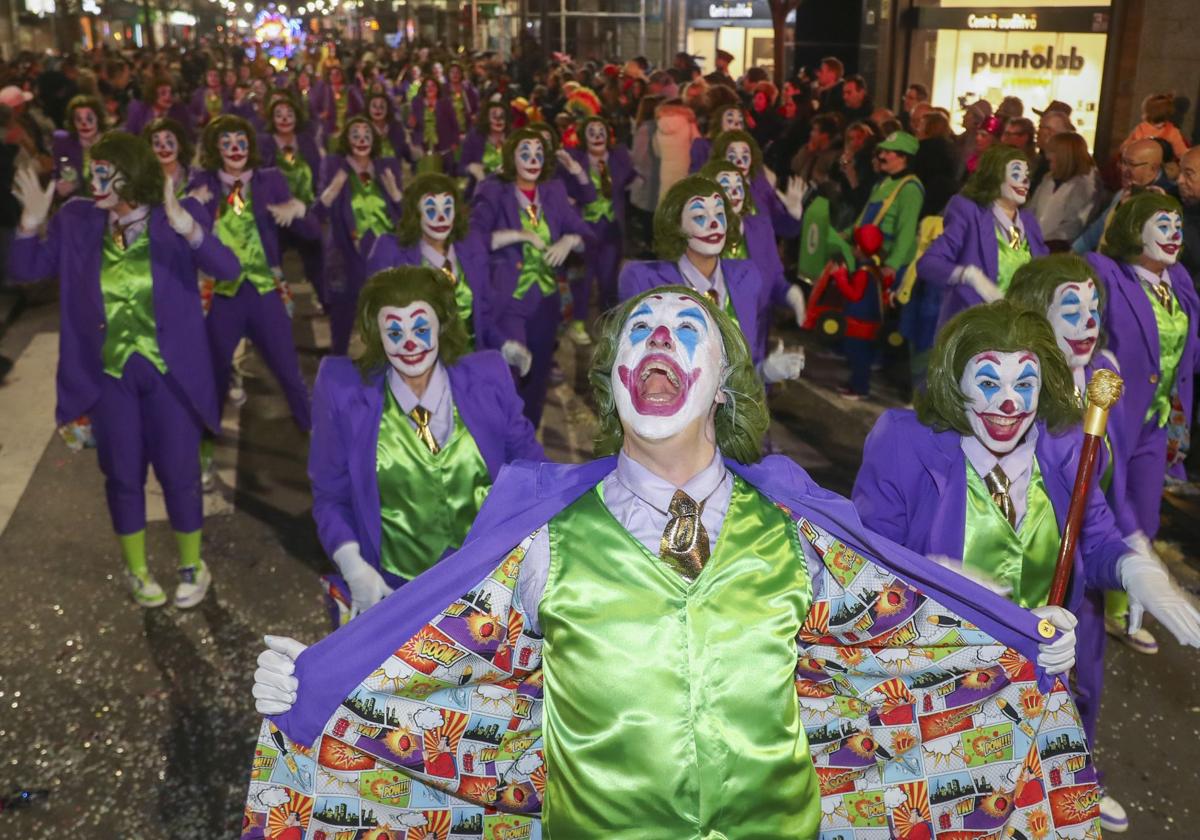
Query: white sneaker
(1112, 816)
(1142, 641)
(193, 586)
(208, 475)
(146, 591)
(578, 334)
(237, 395)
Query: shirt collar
(431, 256)
(657, 492)
(1015, 464)
(132, 223)
(1152, 278)
(696, 279)
(437, 390)
(522, 201)
(1005, 223)
(227, 180)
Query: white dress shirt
(132, 223)
(1152, 278)
(437, 399)
(1005, 223)
(1017, 465)
(435, 260)
(695, 278)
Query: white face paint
(437, 215)
(668, 366)
(1075, 316)
(734, 187)
(361, 138)
(234, 147)
(106, 180)
(410, 337)
(377, 109)
(597, 138)
(732, 120)
(86, 124)
(496, 120)
(705, 224)
(166, 147)
(284, 116)
(1162, 236)
(1016, 182)
(163, 96)
(1002, 397)
(738, 154)
(530, 159)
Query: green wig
(1123, 238)
(210, 152)
(670, 242)
(343, 139)
(134, 159)
(1002, 327)
(186, 150)
(483, 123)
(1033, 284)
(508, 167)
(408, 230)
(721, 145)
(983, 187)
(715, 167)
(84, 101)
(400, 287)
(717, 118)
(741, 420)
(380, 94)
(550, 131)
(283, 97)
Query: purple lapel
(366, 414)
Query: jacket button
(520, 265)
(102, 325)
(1153, 378)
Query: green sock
(1116, 604)
(189, 549)
(207, 445)
(133, 549)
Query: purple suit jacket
(620, 170)
(345, 255)
(767, 201)
(1133, 339)
(912, 488)
(969, 238)
(699, 152)
(474, 259)
(141, 114)
(267, 186)
(742, 281)
(65, 144)
(447, 126)
(71, 252)
(306, 145)
(199, 111)
(346, 416)
(526, 496)
(321, 107)
(764, 253)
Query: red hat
(869, 239)
(612, 71)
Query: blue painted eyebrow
(640, 311)
(987, 370)
(1028, 371)
(693, 312)
(697, 204)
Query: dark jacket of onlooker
(935, 165)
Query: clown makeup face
(106, 180)
(234, 147)
(1016, 182)
(1002, 397)
(668, 366)
(336, 78)
(705, 224)
(1162, 236)
(163, 96)
(596, 135)
(732, 120)
(283, 116)
(530, 159)
(361, 138)
(377, 108)
(212, 79)
(738, 154)
(734, 187)
(496, 120)
(410, 337)
(166, 147)
(430, 90)
(437, 215)
(1075, 316)
(456, 75)
(86, 124)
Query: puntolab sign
(1047, 60)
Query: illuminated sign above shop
(1072, 62)
(1006, 23)
(1039, 19)
(731, 10)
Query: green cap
(900, 141)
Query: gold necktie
(118, 235)
(420, 416)
(712, 295)
(289, 154)
(997, 484)
(234, 199)
(1014, 237)
(684, 543)
(448, 270)
(1163, 293)
(605, 180)
(532, 210)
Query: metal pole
(475, 25)
(562, 26)
(642, 28)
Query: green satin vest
(369, 207)
(535, 271)
(298, 174)
(340, 105)
(602, 207)
(1172, 337)
(464, 298)
(460, 107)
(239, 232)
(493, 158)
(127, 286)
(214, 104)
(1025, 559)
(427, 502)
(431, 135)
(737, 252)
(670, 708)
(1009, 259)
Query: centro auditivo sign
(1072, 62)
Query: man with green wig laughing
(681, 639)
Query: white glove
(795, 299)
(367, 587)
(475, 170)
(782, 364)
(793, 199)
(202, 194)
(274, 686)
(288, 212)
(973, 276)
(504, 238)
(1058, 656)
(1151, 589)
(389, 183)
(35, 201)
(181, 220)
(567, 162)
(557, 253)
(331, 192)
(517, 355)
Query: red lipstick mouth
(1083, 347)
(658, 385)
(1002, 427)
(439, 228)
(1170, 248)
(712, 238)
(414, 359)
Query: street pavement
(139, 724)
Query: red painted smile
(658, 385)
(1082, 347)
(412, 360)
(1002, 427)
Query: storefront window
(740, 27)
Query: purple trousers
(539, 317)
(1090, 642)
(263, 319)
(603, 262)
(311, 259)
(1145, 475)
(145, 418)
(341, 303)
